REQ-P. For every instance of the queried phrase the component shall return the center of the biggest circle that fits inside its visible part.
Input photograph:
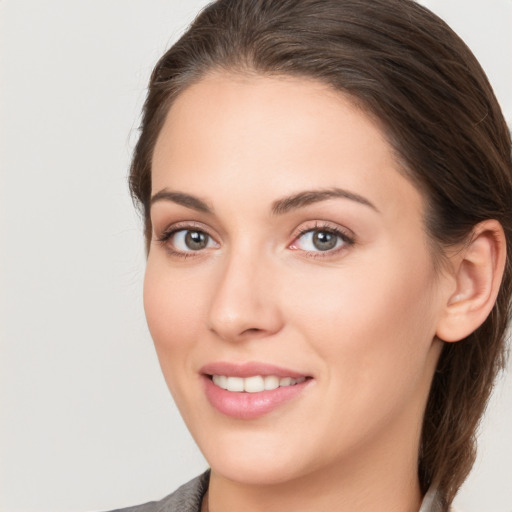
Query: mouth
(254, 384)
(250, 390)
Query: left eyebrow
(308, 197)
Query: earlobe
(478, 271)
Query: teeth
(254, 384)
(285, 381)
(271, 382)
(221, 381)
(235, 384)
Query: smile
(254, 384)
(250, 390)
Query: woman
(327, 194)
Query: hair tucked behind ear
(408, 69)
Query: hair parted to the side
(405, 67)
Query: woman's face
(287, 247)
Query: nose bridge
(243, 304)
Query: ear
(477, 271)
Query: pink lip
(248, 370)
(249, 406)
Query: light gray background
(86, 422)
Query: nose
(244, 304)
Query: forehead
(239, 133)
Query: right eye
(190, 240)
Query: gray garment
(186, 498)
(431, 502)
(189, 496)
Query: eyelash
(164, 238)
(348, 240)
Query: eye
(187, 240)
(321, 239)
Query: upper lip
(249, 369)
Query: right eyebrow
(182, 199)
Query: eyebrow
(279, 207)
(183, 199)
(308, 197)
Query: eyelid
(169, 230)
(344, 233)
(322, 225)
(163, 238)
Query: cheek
(373, 323)
(173, 314)
(368, 296)
(373, 331)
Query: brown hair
(408, 69)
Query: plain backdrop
(86, 421)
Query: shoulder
(186, 498)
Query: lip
(248, 406)
(249, 369)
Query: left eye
(319, 240)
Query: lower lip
(248, 406)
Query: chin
(255, 458)
(265, 473)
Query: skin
(361, 319)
